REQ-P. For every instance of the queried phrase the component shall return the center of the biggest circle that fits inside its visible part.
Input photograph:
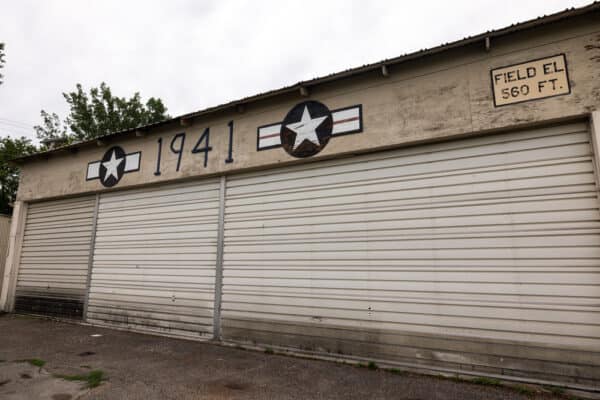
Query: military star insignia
(306, 128)
(111, 166)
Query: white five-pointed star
(111, 166)
(306, 128)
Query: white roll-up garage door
(472, 252)
(154, 259)
(53, 269)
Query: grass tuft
(36, 362)
(92, 380)
(524, 390)
(396, 371)
(269, 350)
(486, 381)
(555, 390)
(372, 366)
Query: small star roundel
(112, 166)
(306, 129)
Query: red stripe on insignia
(270, 136)
(341, 121)
(345, 120)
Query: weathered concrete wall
(427, 99)
(4, 241)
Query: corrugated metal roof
(533, 23)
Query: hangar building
(437, 211)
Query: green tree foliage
(51, 127)
(91, 115)
(9, 175)
(2, 61)
(98, 113)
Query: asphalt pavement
(137, 366)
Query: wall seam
(219, 261)
(91, 257)
(594, 130)
(13, 259)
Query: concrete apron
(23, 381)
(580, 390)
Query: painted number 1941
(202, 146)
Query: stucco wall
(430, 98)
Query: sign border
(564, 55)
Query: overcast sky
(196, 54)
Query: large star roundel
(306, 129)
(112, 166)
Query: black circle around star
(114, 154)
(306, 129)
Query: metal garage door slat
(499, 235)
(53, 267)
(447, 156)
(154, 259)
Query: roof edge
(532, 23)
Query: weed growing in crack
(92, 379)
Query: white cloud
(195, 54)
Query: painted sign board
(531, 80)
